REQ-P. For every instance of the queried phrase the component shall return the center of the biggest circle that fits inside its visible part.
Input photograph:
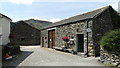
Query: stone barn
(24, 34)
(86, 30)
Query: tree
(111, 41)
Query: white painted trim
(51, 28)
(80, 33)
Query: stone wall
(71, 30)
(101, 25)
(108, 58)
(24, 34)
(44, 33)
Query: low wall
(107, 58)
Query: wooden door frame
(53, 42)
(77, 42)
(42, 41)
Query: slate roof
(13, 24)
(83, 16)
(5, 16)
(37, 24)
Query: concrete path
(50, 57)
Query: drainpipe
(87, 36)
(0, 39)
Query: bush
(111, 41)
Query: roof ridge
(5, 16)
(21, 21)
(86, 13)
(37, 20)
(105, 7)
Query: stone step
(80, 54)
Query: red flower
(65, 38)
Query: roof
(5, 16)
(83, 16)
(13, 24)
(37, 23)
(34, 23)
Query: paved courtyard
(38, 56)
(50, 57)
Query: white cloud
(31, 1)
(28, 2)
(77, 0)
(51, 20)
(0, 7)
(54, 20)
(115, 6)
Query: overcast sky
(50, 10)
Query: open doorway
(42, 41)
(80, 43)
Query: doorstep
(80, 54)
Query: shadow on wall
(17, 59)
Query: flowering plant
(65, 38)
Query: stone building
(86, 30)
(27, 32)
(24, 34)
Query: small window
(45, 37)
(22, 39)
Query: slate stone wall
(44, 33)
(71, 30)
(109, 58)
(101, 25)
(24, 34)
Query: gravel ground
(50, 57)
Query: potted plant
(65, 39)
